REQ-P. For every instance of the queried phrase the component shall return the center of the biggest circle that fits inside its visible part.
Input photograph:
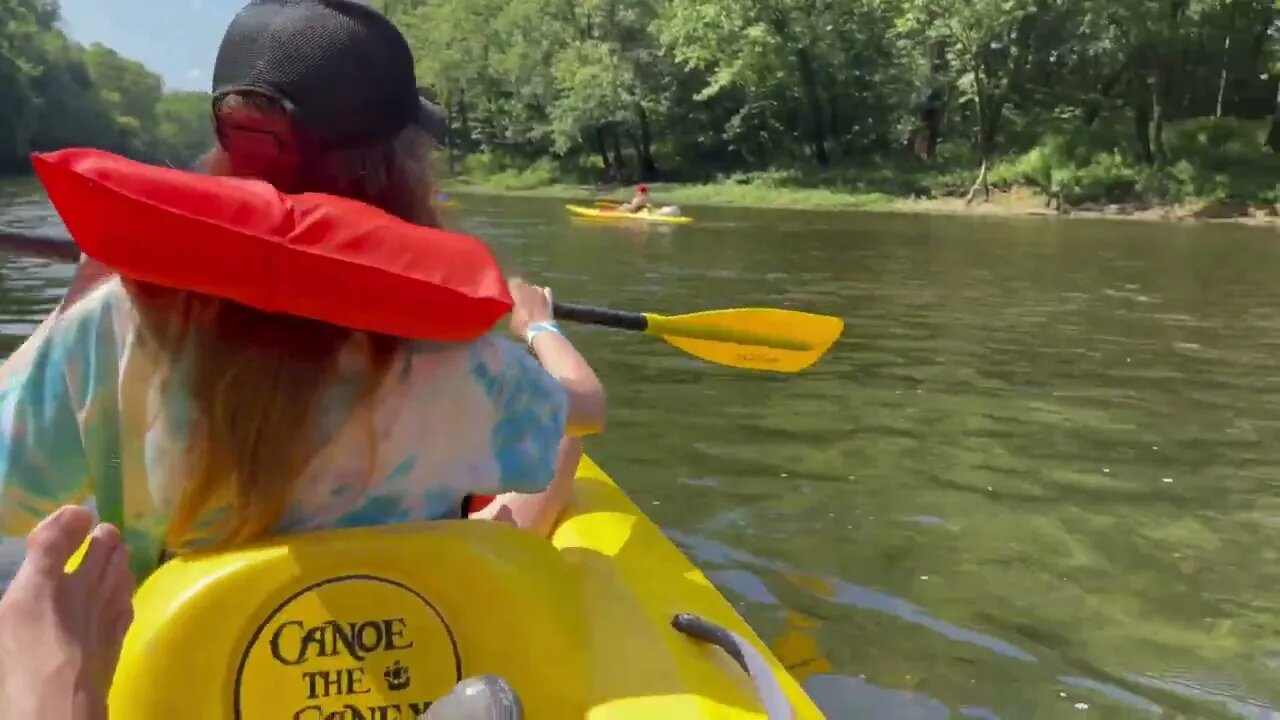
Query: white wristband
(538, 328)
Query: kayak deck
(641, 216)
(376, 622)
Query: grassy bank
(1018, 201)
(712, 194)
(1216, 169)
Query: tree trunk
(1093, 105)
(451, 146)
(1092, 109)
(807, 71)
(1222, 79)
(990, 110)
(462, 139)
(834, 128)
(982, 182)
(928, 130)
(603, 147)
(1142, 123)
(619, 160)
(634, 140)
(648, 168)
(1157, 118)
(1273, 136)
(809, 84)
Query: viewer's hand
(532, 304)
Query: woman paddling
(639, 201)
(177, 405)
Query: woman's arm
(42, 458)
(532, 313)
(539, 512)
(58, 421)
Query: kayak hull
(377, 622)
(614, 215)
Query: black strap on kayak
(774, 700)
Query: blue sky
(176, 38)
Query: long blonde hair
(256, 380)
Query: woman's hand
(532, 304)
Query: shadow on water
(1035, 479)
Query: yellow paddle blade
(785, 341)
(798, 648)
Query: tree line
(1079, 98)
(56, 93)
(1151, 91)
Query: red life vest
(316, 256)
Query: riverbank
(1215, 169)
(1014, 202)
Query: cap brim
(432, 118)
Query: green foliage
(501, 173)
(55, 93)
(1218, 160)
(183, 127)
(1086, 100)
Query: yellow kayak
(609, 621)
(641, 216)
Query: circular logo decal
(356, 646)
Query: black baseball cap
(342, 68)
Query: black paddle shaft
(49, 246)
(619, 319)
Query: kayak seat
(359, 624)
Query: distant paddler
(642, 202)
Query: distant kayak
(641, 216)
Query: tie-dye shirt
(82, 420)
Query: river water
(1033, 480)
